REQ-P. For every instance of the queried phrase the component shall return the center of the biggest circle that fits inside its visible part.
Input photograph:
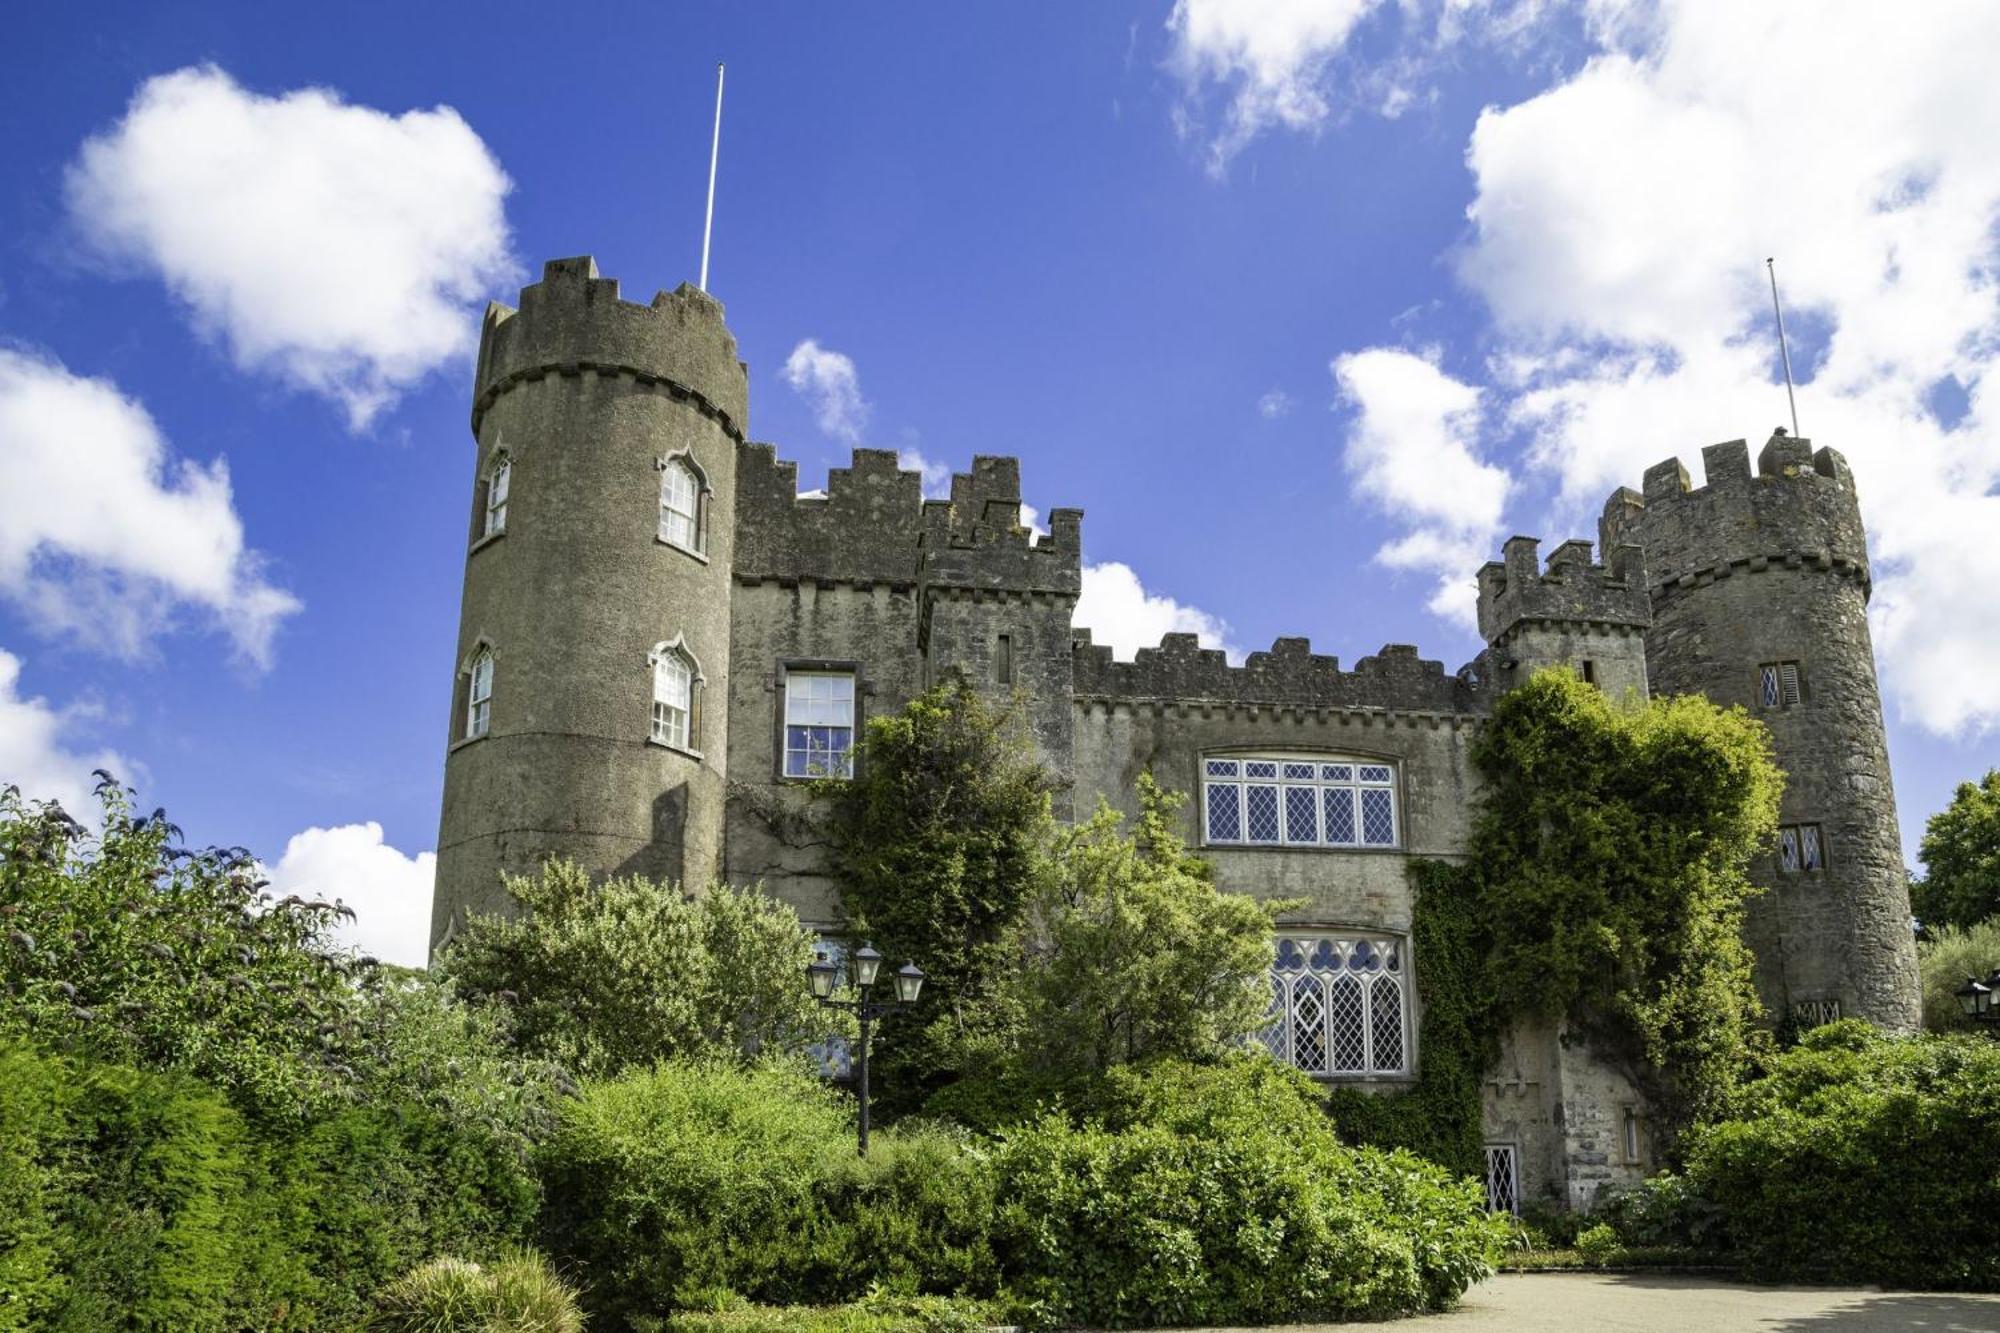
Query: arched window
(1298, 801)
(479, 696)
(1339, 1004)
(683, 505)
(497, 485)
(676, 697)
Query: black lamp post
(1975, 998)
(909, 983)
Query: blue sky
(1307, 305)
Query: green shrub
(1218, 1194)
(1863, 1158)
(138, 1199)
(1598, 1245)
(1665, 1210)
(668, 1185)
(876, 1313)
(517, 1293)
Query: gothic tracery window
(676, 694)
(1339, 1004)
(681, 504)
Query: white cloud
(389, 892)
(336, 246)
(1413, 450)
(826, 379)
(1272, 52)
(38, 750)
(1619, 231)
(1117, 610)
(937, 476)
(104, 534)
(1031, 519)
(1274, 404)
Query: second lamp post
(867, 966)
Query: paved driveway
(1637, 1303)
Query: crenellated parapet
(865, 528)
(1518, 589)
(1797, 510)
(976, 540)
(1180, 671)
(573, 322)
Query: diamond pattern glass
(1260, 769)
(1378, 817)
(1301, 814)
(1788, 849)
(1273, 1033)
(1298, 772)
(1503, 1179)
(1809, 846)
(1768, 684)
(1350, 1051)
(1336, 772)
(1260, 813)
(1225, 813)
(1385, 1024)
(1340, 815)
(1222, 768)
(1309, 1025)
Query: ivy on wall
(1605, 888)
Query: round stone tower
(595, 616)
(1759, 587)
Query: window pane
(1374, 772)
(1340, 815)
(1788, 849)
(1767, 685)
(1378, 819)
(679, 501)
(1298, 772)
(1309, 1025)
(1260, 813)
(1336, 772)
(1222, 768)
(1225, 819)
(1385, 1024)
(1809, 846)
(1260, 768)
(1349, 1054)
(1301, 814)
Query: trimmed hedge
(134, 1199)
(1863, 1158)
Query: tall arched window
(681, 507)
(1339, 1004)
(676, 697)
(497, 485)
(479, 696)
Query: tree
(1610, 855)
(603, 976)
(1961, 856)
(1945, 958)
(1129, 951)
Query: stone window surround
(864, 689)
(697, 687)
(1406, 979)
(1800, 836)
(1399, 806)
(704, 493)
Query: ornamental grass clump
(517, 1293)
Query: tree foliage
(1961, 856)
(605, 975)
(1129, 952)
(1610, 854)
(1945, 960)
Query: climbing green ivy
(1605, 888)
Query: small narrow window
(680, 505)
(497, 486)
(479, 698)
(1631, 1137)
(1800, 848)
(1809, 857)
(819, 724)
(1003, 659)
(1778, 685)
(673, 700)
(1589, 672)
(1503, 1178)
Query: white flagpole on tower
(1784, 351)
(714, 150)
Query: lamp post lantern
(909, 983)
(1975, 998)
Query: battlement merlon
(1798, 506)
(1570, 588)
(1180, 671)
(574, 320)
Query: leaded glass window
(1800, 848)
(1298, 802)
(1339, 1004)
(1503, 1178)
(819, 724)
(1778, 685)
(680, 505)
(479, 696)
(673, 698)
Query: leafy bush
(1945, 960)
(670, 1184)
(518, 1293)
(1598, 1245)
(876, 1313)
(1863, 1158)
(613, 974)
(134, 950)
(146, 1200)
(1218, 1194)
(1665, 1210)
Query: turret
(1589, 617)
(1759, 586)
(594, 626)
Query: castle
(660, 638)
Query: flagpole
(714, 151)
(1783, 350)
